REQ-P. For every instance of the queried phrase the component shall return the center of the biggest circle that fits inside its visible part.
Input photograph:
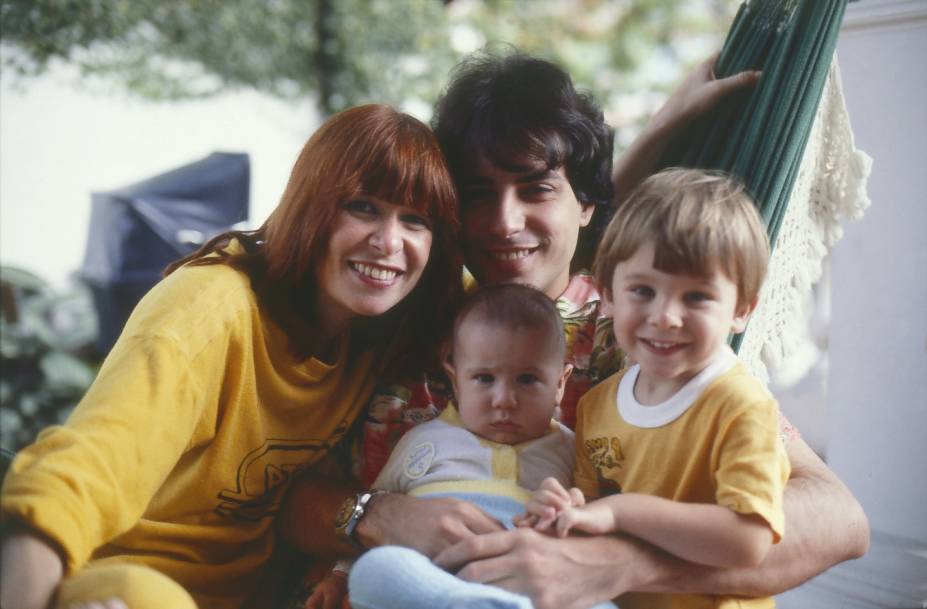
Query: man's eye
(527, 379)
(536, 192)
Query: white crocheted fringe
(830, 187)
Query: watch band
(353, 510)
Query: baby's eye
(526, 379)
(484, 379)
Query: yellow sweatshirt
(179, 454)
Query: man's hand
(569, 573)
(700, 92)
(426, 525)
(330, 593)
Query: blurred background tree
(346, 52)
(330, 53)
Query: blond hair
(698, 221)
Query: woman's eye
(361, 207)
(527, 379)
(416, 221)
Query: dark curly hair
(510, 108)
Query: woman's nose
(387, 238)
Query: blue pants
(392, 577)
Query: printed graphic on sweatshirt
(264, 475)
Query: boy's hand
(548, 502)
(330, 593)
(596, 518)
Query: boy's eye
(526, 379)
(696, 297)
(642, 291)
(484, 379)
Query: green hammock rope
(760, 135)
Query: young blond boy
(681, 450)
(493, 448)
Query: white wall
(877, 385)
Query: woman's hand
(31, 572)
(330, 593)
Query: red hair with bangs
(369, 150)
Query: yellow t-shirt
(180, 452)
(716, 441)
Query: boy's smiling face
(507, 382)
(670, 324)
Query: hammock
(760, 135)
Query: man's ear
(585, 216)
(561, 384)
(742, 315)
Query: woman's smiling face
(376, 254)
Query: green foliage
(347, 52)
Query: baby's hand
(330, 593)
(547, 503)
(595, 518)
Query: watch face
(345, 512)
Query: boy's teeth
(660, 345)
(510, 255)
(375, 273)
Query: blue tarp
(138, 230)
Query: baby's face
(507, 382)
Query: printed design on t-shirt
(265, 473)
(419, 460)
(606, 456)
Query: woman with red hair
(246, 364)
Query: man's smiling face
(521, 225)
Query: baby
(493, 448)
(682, 449)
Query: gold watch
(350, 513)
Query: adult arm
(573, 571)
(699, 92)
(307, 520)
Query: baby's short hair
(698, 221)
(514, 306)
